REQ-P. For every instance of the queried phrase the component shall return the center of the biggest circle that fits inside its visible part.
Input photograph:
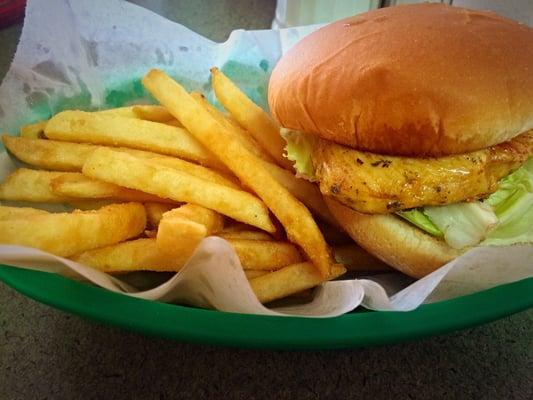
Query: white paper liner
(82, 48)
(214, 278)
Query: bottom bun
(394, 241)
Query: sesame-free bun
(418, 80)
(394, 241)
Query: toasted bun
(419, 80)
(394, 241)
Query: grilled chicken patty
(377, 184)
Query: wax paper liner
(93, 54)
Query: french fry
(135, 173)
(289, 280)
(49, 154)
(305, 191)
(77, 185)
(234, 226)
(153, 113)
(250, 116)
(293, 215)
(155, 211)
(265, 254)
(31, 185)
(19, 212)
(212, 220)
(186, 166)
(240, 134)
(66, 156)
(249, 235)
(150, 233)
(86, 204)
(124, 112)
(148, 112)
(129, 154)
(33, 130)
(356, 258)
(66, 234)
(254, 273)
(178, 237)
(111, 130)
(174, 122)
(133, 255)
(181, 229)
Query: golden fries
(135, 173)
(19, 212)
(31, 185)
(234, 226)
(178, 237)
(293, 215)
(265, 254)
(123, 112)
(248, 235)
(66, 156)
(240, 134)
(133, 255)
(288, 280)
(174, 122)
(77, 185)
(181, 229)
(145, 255)
(305, 191)
(65, 234)
(146, 112)
(180, 171)
(34, 131)
(249, 115)
(48, 154)
(90, 204)
(97, 128)
(212, 220)
(152, 113)
(254, 273)
(185, 166)
(155, 211)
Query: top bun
(417, 80)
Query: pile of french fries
(149, 182)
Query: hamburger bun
(394, 241)
(414, 80)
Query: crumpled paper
(92, 55)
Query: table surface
(48, 354)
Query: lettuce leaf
(421, 220)
(504, 218)
(299, 150)
(463, 224)
(513, 204)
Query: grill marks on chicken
(378, 184)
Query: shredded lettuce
(519, 182)
(299, 150)
(421, 220)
